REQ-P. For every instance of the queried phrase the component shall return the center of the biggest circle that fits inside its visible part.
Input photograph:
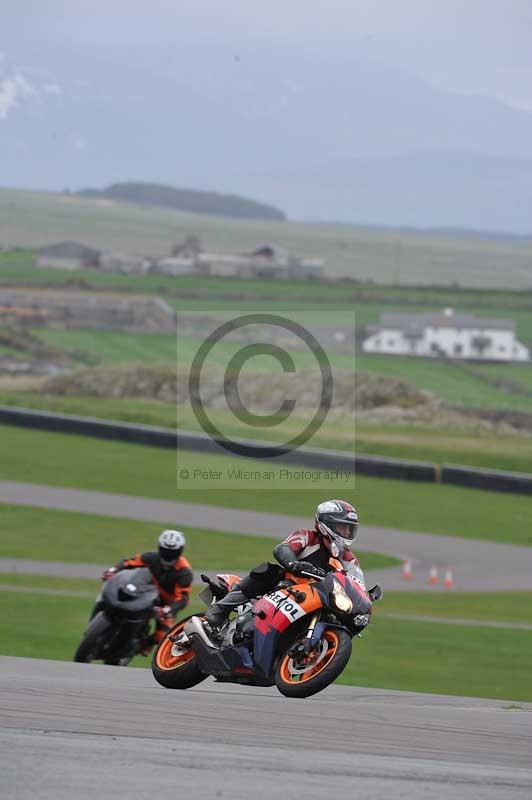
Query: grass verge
(443, 659)
(81, 462)
(68, 536)
(488, 606)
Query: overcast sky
(471, 46)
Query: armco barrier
(375, 466)
(492, 480)
(318, 458)
(88, 426)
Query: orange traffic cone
(407, 571)
(433, 576)
(448, 580)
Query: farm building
(174, 265)
(68, 255)
(445, 335)
(266, 262)
(110, 261)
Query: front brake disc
(300, 670)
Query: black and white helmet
(171, 544)
(332, 513)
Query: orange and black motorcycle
(297, 637)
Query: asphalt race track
(89, 731)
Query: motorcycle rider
(305, 550)
(171, 574)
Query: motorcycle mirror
(375, 593)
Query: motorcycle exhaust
(195, 627)
(210, 660)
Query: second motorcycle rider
(171, 573)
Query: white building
(446, 335)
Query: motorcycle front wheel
(175, 667)
(89, 647)
(309, 674)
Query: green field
(518, 375)
(456, 384)
(413, 656)
(213, 292)
(110, 347)
(512, 607)
(442, 659)
(72, 461)
(33, 219)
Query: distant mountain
(343, 138)
(197, 202)
(422, 190)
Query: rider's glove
(163, 612)
(298, 567)
(109, 573)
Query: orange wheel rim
(165, 658)
(315, 665)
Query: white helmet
(171, 544)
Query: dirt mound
(22, 341)
(156, 382)
(259, 391)
(24, 353)
(377, 399)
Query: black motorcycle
(125, 607)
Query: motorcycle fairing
(130, 593)
(274, 614)
(321, 627)
(358, 596)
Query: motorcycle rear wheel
(307, 676)
(175, 670)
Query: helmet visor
(168, 555)
(345, 533)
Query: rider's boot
(217, 614)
